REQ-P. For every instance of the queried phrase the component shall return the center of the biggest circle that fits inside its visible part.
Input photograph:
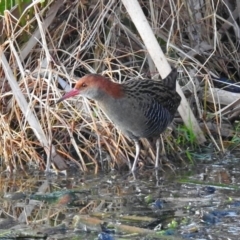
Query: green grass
(186, 137)
(8, 5)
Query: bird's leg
(137, 146)
(157, 152)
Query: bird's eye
(84, 85)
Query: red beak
(72, 93)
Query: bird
(140, 108)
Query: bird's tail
(170, 80)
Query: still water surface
(196, 201)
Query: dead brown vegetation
(63, 41)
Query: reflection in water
(180, 203)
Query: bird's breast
(135, 118)
(126, 115)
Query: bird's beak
(72, 93)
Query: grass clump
(71, 39)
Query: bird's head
(94, 86)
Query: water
(199, 201)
